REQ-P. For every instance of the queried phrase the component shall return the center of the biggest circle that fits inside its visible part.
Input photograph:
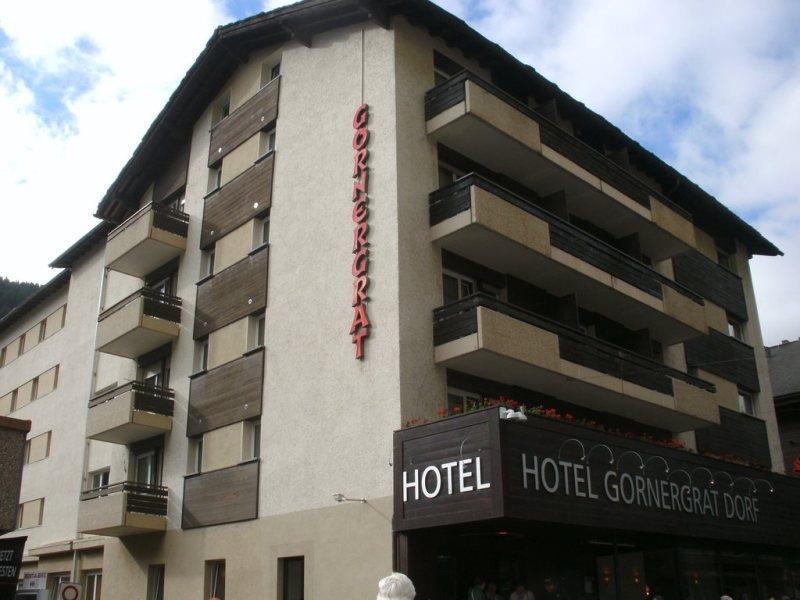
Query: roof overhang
(231, 44)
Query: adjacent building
(784, 371)
(372, 295)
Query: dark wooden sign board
(11, 550)
(478, 467)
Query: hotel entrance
(563, 563)
(576, 514)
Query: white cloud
(53, 174)
(713, 86)
(716, 85)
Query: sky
(712, 87)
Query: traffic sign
(70, 591)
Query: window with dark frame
(455, 286)
(155, 582)
(292, 571)
(216, 579)
(747, 404)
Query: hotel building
(294, 353)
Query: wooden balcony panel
(227, 394)
(241, 199)
(256, 114)
(232, 294)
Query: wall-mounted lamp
(343, 498)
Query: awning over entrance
(479, 467)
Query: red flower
(569, 418)
(442, 412)
(456, 410)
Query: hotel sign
(360, 326)
(478, 467)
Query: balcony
(152, 236)
(488, 126)
(488, 338)
(121, 509)
(494, 227)
(142, 322)
(130, 413)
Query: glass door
(146, 468)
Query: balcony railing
(575, 345)
(486, 125)
(155, 304)
(148, 398)
(453, 199)
(149, 238)
(139, 323)
(451, 92)
(122, 509)
(145, 498)
(491, 339)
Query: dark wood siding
(173, 176)
(259, 112)
(241, 199)
(724, 356)
(222, 496)
(737, 434)
(226, 394)
(589, 452)
(234, 293)
(710, 280)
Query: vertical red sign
(359, 329)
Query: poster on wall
(11, 550)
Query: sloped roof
(784, 368)
(230, 45)
(76, 251)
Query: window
(42, 330)
(726, 260)
(447, 175)
(291, 578)
(37, 448)
(92, 586)
(262, 231)
(747, 404)
(215, 579)
(735, 329)
(35, 388)
(269, 72)
(146, 467)
(266, 142)
(3, 357)
(202, 355)
(56, 579)
(98, 479)
(178, 202)
(255, 333)
(252, 441)
(222, 108)
(155, 582)
(155, 374)
(458, 400)
(209, 257)
(30, 513)
(261, 324)
(198, 455)
(214, 179)
(444, 68)
(455, 286)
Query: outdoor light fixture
(342, 498)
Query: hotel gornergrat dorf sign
(360, 326)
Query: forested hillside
(13, 293)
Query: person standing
(521, 593)
(491, 592)
(476, 592)
(396, 587)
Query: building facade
(784, 370)
(350, 220)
